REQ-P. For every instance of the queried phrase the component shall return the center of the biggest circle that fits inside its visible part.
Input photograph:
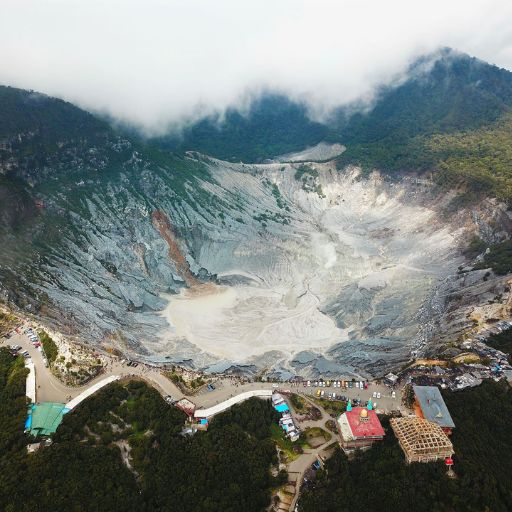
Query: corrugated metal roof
(432, 405)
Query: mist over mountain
(165, 65)
(442, 92)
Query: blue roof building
(430, 405)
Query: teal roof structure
(45, 418)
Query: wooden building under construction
(421, 440)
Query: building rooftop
(361, 422)
(432, 405)
(186, 406)
(44, 418)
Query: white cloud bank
(155, 62)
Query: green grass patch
(331, 406)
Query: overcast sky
(154, 62)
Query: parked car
(378, 395)
(350, 384)
(309, 383)
(374, 395)
(393, 394)
(322, 393)
(317, 392)
(357, 384)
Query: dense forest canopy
(29, 112)
(226, 468)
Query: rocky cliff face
(297, 267)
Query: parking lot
(383, 397)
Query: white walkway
(31, 380)
(216, 409)
(90, 391)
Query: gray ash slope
(304, 269)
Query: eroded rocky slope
(297, 267)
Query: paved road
(51, 389)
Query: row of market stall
(286, 422)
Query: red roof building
(186, 406)
(359, 428)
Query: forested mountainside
(273, 125)
(442, 93)
(451, 114)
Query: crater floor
(326, 273)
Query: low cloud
(158, 63)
